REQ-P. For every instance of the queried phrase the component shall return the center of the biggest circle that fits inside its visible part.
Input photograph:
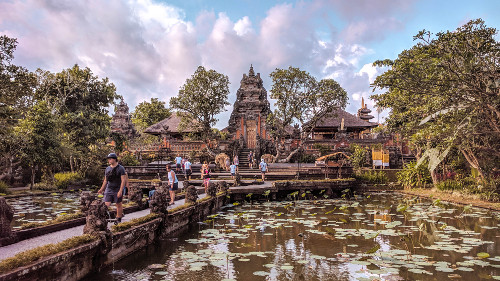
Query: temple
(250, 111)
(121, 122)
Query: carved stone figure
(212, 189)
(96, 218)
(222, 186)
(191, 195)
(159, 201)
(6, 215)
(86, 198)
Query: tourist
(205, 175)
(178, 163)
(236, 162)
(263, 169)
(173, 184)
(233, 171)
(228, 163)
(187, 169)
(114, 181)
(250, 160)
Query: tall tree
(16, 89)
(41, 137)
(302, 100)
(149, 113)
(80, 100)
(444, 93)
(201, 98)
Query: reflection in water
(361, 239)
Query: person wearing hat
(114, 181)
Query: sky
(148, 48)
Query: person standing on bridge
(114, 181)
(178, 163)
(233, 171)
(187, 167)
(250, 160)
(173, 184)
(205, 175)
(236, 162)
(263, 169)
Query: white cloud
(148, 48)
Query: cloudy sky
(148, 48)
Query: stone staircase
(243, 157)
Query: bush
(358, 158)
(413, 176)
(63, 180)
(129, 159)
(485, 189)
(323, 149)
(44, 186)
(371, 176)
(4, 188)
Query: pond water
(41, 208)
(381, 236)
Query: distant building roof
(334, 120)
(170, 124)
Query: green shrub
(128, 159)
(4, 188)
(358, 158)
(44, 186)
(27, 257)
(371, 176)
(63, 180)
(413, 176)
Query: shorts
(175, 187)
(112, 197)
(188, 172)
(233, 174)
(206, 181)
(179, 166)
(263, 172)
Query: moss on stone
(206, 198)
(30, 256)
(178, 208)
(56, 220)
(134, 222)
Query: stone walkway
(58, 236)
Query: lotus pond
(381, 236)
(42, 208)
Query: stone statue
(212, 189)
(222, 187)
(96, 218)
(159, 201)
(6, 215)
(237, 180)
(191, 195)
(135, 195)
(86, 198)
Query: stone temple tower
(121, 122)
(248, 119)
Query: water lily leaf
(261, 273)
(287, 267)
(483, 255)
(374, 249)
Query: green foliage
(371, 176)
(358, 158)
(30, 256)
(201, 98)
(4, 188)
(300, 98)
(120, 141)
(134, 222)
(44, 186)
(129, 159)
(484, 189)
(414, 176)
(443, 93)
(149, 113)
(63, 180)
(323, 149)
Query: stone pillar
(6, 216)
(212, 189)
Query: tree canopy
(301, 99)
(149, 113)
(201, 98)
(444, 93)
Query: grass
(206, 198)
(30, 256)
(178, 208)
(323, 180)
(129, 224)
(58, 219)
(4, 189)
